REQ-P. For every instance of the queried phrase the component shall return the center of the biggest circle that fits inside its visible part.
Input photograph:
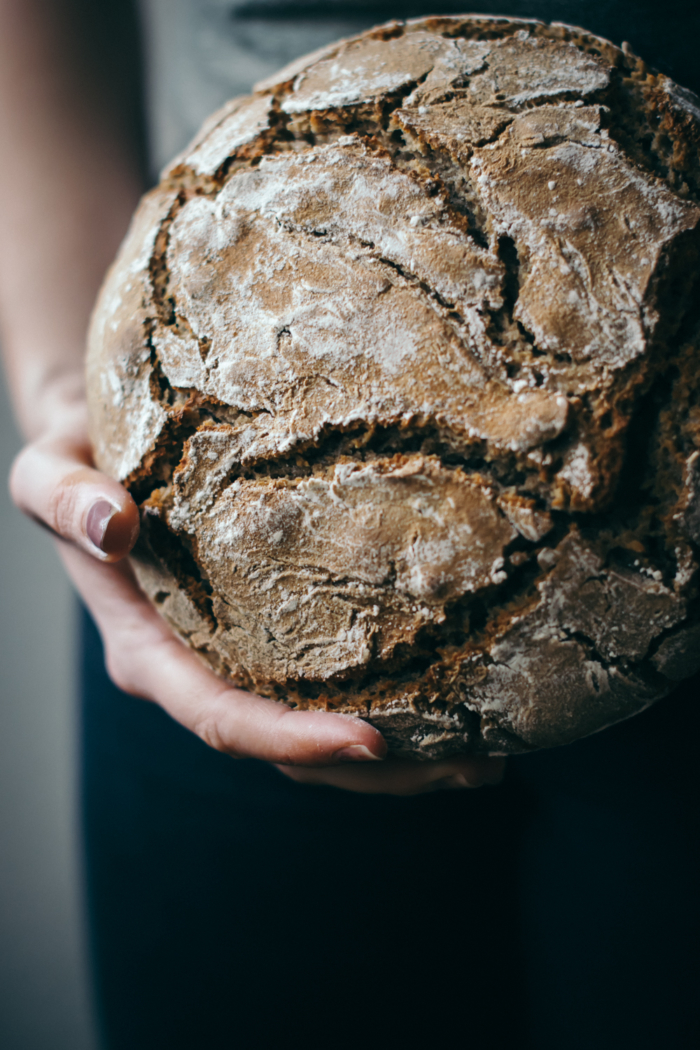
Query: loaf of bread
(401, 361)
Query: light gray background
(43, 987)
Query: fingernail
(98, 519)
(355, 753)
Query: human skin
(68, 185)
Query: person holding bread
(316, 889)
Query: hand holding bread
(61, 225)
(96, 522)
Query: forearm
(68, 183)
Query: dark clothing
(231, 907)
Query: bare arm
(68, 184)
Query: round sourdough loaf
(401, 361)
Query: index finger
(145, 658)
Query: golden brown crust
(401, 362)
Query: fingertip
(324, 738)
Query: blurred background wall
(43, 987)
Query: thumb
(52, 481)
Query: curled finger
(53, 483)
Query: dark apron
(230, 907)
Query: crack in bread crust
(512, 206)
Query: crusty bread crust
(401, 360)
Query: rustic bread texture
(401, 361)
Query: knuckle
(120, 670)
(207, 729)
(61, 509)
